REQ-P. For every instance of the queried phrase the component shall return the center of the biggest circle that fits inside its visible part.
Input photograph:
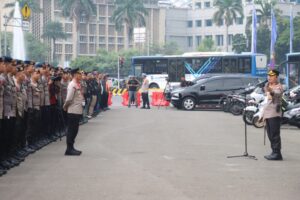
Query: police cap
(273, 72)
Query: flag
(254, 31)
(273, 39)
(291, 30)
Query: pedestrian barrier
(109, 102)
(118, 92)
(158, 99)
(125, 97)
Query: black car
(209, 91)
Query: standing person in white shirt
(74, 107)
(145, 92)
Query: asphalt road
(159, 154)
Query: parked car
(210, 90)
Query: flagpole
(291, 28)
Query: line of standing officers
(32, 96)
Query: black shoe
(143, 107)
(6, 165)
(148, 107)
(2, 172)
(72, 153)
(80, 152)
(274, 156)
(29, 150)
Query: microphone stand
(245, 155)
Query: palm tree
(77, 8)
(32, 4)
(54, 31)
(229, 10)
(131, 13)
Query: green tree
(239, 43)
(207, 44)
(35, 49)
(131, 13)
(170, 48)
(283, 40)
(229, 10)
(9, 37)
(54, 31)
(75, 9)
(84, 62)
(32, 4)
(263, 39)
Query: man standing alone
(74, 107)
(145, 89)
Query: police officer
(2, 81)
(74, 107)
(272, 114)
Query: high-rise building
(189, 26)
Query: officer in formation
(32, 98)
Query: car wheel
(153, 86)
(188, 103)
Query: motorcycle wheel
(226, 105)
(236, 109)
(257, 123)
(248, 117)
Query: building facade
(189, 26)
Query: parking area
(130, 153)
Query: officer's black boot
(275, 155)
(77, 151)
(71, 152)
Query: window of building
(102, 40)
(198, 39)
(110, 10)
(111, 30)
(111, 40)
(208, 37)
(68, 27)
(83, 49)
(208, 22)
(190, 41)
(58, 48)
(120, 40)
(221, 22)
(198, 23)
(102, 10)
(68, 57)
(102, 30)
(230, 38)
(198, 5)
(92, 39)
(102, 20)
(69, 48)
(82, 39)
(219, 40)
(190, 24)
(83, 28)
(92, 29)
(207, 4)
(239, 21)
(92, 49)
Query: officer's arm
(70, 96)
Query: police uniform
(74, 108)
(2, 81)
(272, 115)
